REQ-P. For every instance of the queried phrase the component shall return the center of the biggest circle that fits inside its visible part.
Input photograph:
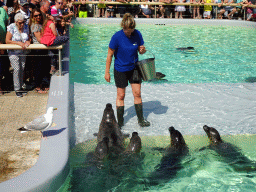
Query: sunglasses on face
(38, 15)
(21, 22)
(60, 3)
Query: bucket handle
(151, 53)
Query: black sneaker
(19, 94)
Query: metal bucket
(147, 68)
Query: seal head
(177, 140)
(212, 134)
(102, 149)
(135, 144)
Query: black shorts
(122, 78)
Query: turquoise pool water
(201, 170)
(222, 53)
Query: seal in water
(185, 48)
(109, 128)
(102, 149)
(171, 161)
(160, 75)
(134, 145)
(230, 153)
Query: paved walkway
(19, 152)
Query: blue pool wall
(52, 167)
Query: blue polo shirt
(126, 49)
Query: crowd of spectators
(44, 22)
(25, 22)
(198, 10)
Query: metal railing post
(60, 63)
(155, 11)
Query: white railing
(35, 47)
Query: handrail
(36, 46)
(31, 46)
(159, 3)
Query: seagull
(42, 123)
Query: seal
(135, 144)
(109, 128)
(171, 161)
(231, 154)
(185, 48)
(102, 149)
(160, 75)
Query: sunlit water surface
(222, 54)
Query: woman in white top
(18, 33)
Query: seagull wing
(38, 124)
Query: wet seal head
(135, 143)
(177, 139)
(102, 149)
(108, 114)
(212, 134)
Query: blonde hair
(128, 21)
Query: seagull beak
(55, 109)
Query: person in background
(146, 9)
(249, 10)
(231, 10)
(55, 10)
(221, 11)
(101, 7)
(124, 46)
(13, 7)
(196, 10)
(179, 9)
(217, 9)
(49, 37)
(66, 13)
(110, 10)
(82, 9)
(45, 7)
(207, 9)
(35, 23)
(24, 9)
(3, 6)
(3, 23)
(34, 3)
(18, 33)
(166, 9)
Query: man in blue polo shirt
(125, 45)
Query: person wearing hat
(24, 5)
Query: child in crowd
(179, 9)
(207, 9)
